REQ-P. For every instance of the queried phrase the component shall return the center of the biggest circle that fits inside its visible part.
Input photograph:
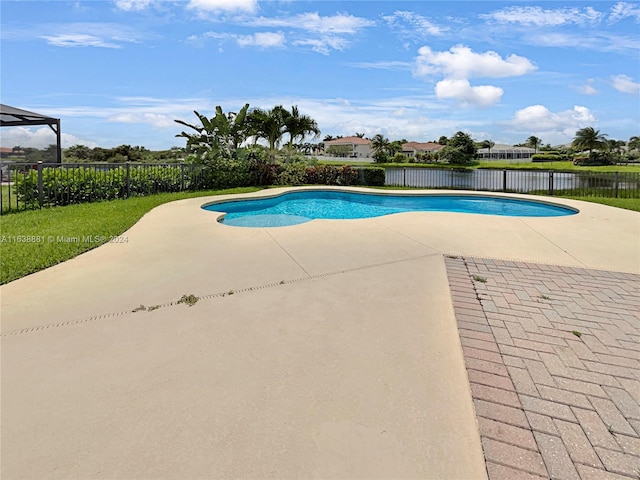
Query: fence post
(128, 191)
(504, 180)
(404, 176)
(182, 177)
(616, 185)
(551, 182)
(40, 185)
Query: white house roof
(499, 148)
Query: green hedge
(372, 176)
(65, 186)
(72, 185)
(549, 157)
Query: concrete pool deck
(323, 350)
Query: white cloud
(258, 39)
(461, 89)
(539, 17)
(246, 6)
(153, 119)
(539, 119)
(622, 10)
(313, 22)
(382, 65)
(461, 62)
(588, 89)
(394, 117)
(40, 137)
(94, 34)
(323, 45)
(410, 24)
(158, 112)
(625, 84)
(320, 33)
(132, 5)
(599, 41)
(78, 40)
(262, 39)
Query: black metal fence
(546, 182)
(25, 185)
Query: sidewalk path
(553, 358)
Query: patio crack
(175, 303)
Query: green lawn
(34, 240)
(626, 203)
(556, 166)
(559, 166)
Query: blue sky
(119, 72)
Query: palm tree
(299, 126)
(615, 145)
(634, 143)
(533, 142)
(589, 139)
(269, 125)
(359, 135)
(380, 146)
(489, 144)
(307, 148)
(221, 133)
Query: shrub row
(549, 157)
(65, 186)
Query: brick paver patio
(553, 360)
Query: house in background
(359, 147)
(410, 149)
(10, 152)
(506, 152)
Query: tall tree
(299, 126)
(269, 125)
(615, 145)
(533, 142)
(460, 149)
(80, 152)
(590, 139)
(634, 143)
(488, 144)
(380, 147)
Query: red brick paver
(553, 360)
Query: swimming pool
(297, 207)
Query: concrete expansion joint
(525, 262)
(205, 297)
(63, 324)
(564, 250)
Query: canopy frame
(16, 117)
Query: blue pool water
(302, 206)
